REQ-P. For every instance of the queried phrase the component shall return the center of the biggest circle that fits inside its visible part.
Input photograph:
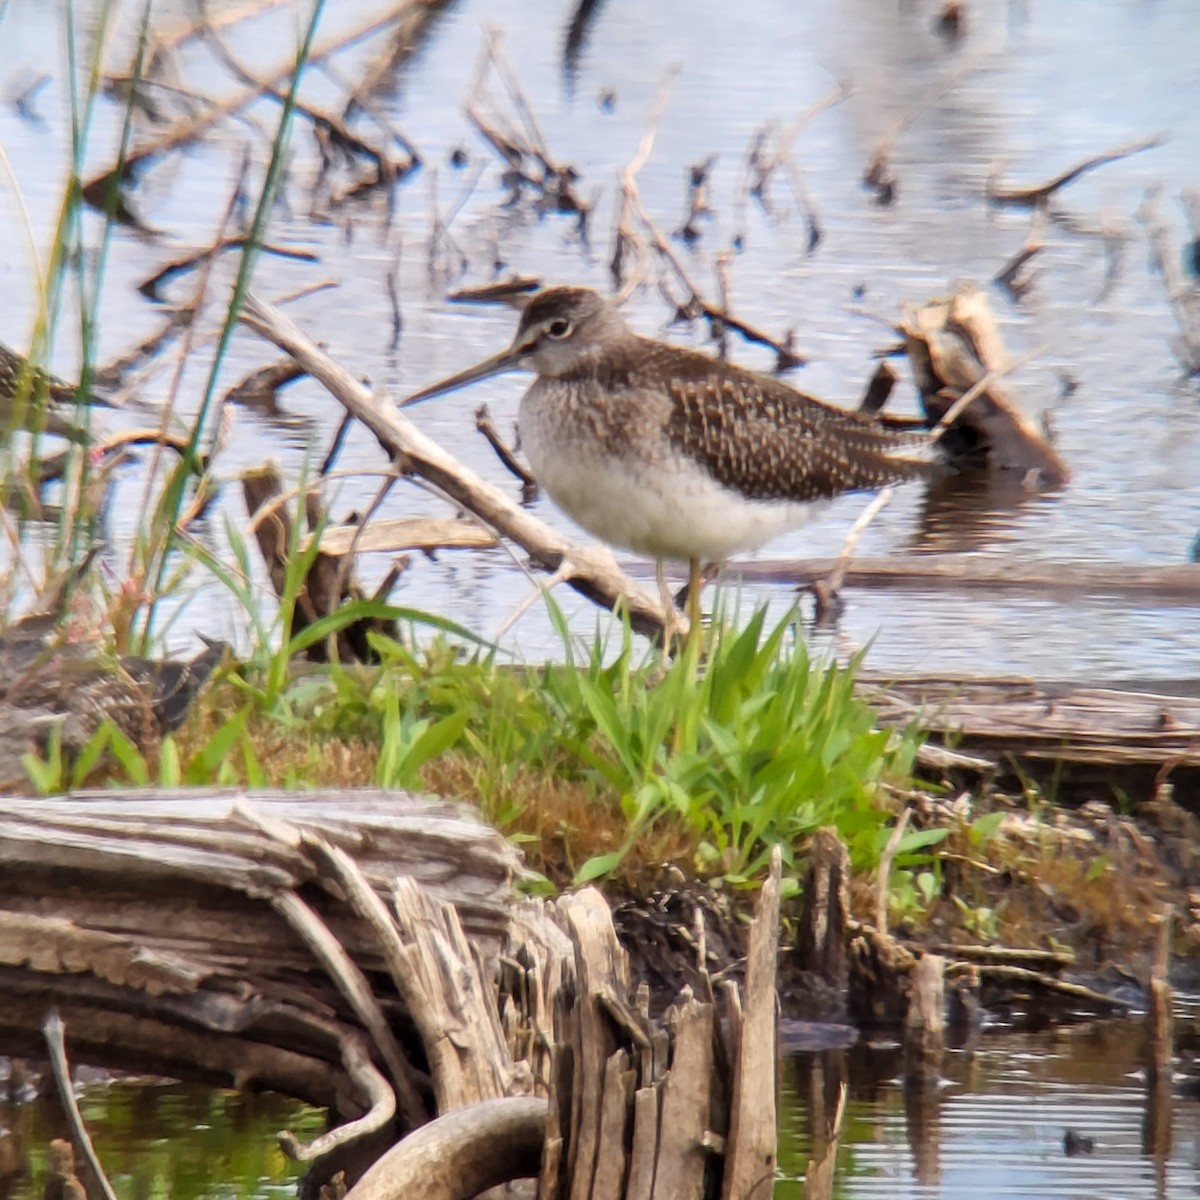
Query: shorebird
(669, 453)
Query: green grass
(603, 767)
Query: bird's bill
(506, 360)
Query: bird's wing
(769, 442)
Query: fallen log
(1066, 581)
(461, 1155)
(1025, 721)
(147, 919)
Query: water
(166, 1140)
(995, 1128)
(1047, 83)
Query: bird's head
(562, 330)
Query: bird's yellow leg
(671, 621)
(695, 583)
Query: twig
(151, 286)
(381, 1101)
(878, 175)
(184, 133)
(529, 485)
(1040, 193)
(260, 389)
(826, 591)
(356, 990)
(980, 386)
(413, 19)
(514, 291)
(541, 588)
(1003, 973)
(53, 1030)
(883, 876)
(1006, 277)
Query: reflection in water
(973, 510)
(163, 1140)
(994, 1124)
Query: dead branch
(593, 571)
(425, 534)
(514, 291)
(413, 23)
(883, 872)
(529, 485)
(957, 359)
(56, 1046)
(696, 305)
(260, 389)
(522, 145)
(826, 592)
(1026, 976)
(462, 1154)
(356, 1060)
(1009, 276)
(1039, 193)
(878, 175)
(327, 585)
(151, 287)
(184, 133)
(1182, 296)
(1065, 581)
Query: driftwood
(462, 1154)
(346, 949)
(1022, 720)
(152, 923)
(426, 534)
(953, 345)
(1066, 581)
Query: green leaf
(170, 768)
(598, 866)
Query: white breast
(671, 509)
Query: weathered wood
(611, 1162)
(403, 533)
(750, 1162)
(600, 966)
(686, 1104)
(925, 1020)
(1044, 722)
(952, 345)
(878, 989)
(645, 1143)
(147, 919)
(1177, 584)
(821, 937)
(461, 1154)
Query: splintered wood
(954, 346)
(642, 1109)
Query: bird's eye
(559, 328)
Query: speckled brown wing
(767, 441)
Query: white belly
(673, 511)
